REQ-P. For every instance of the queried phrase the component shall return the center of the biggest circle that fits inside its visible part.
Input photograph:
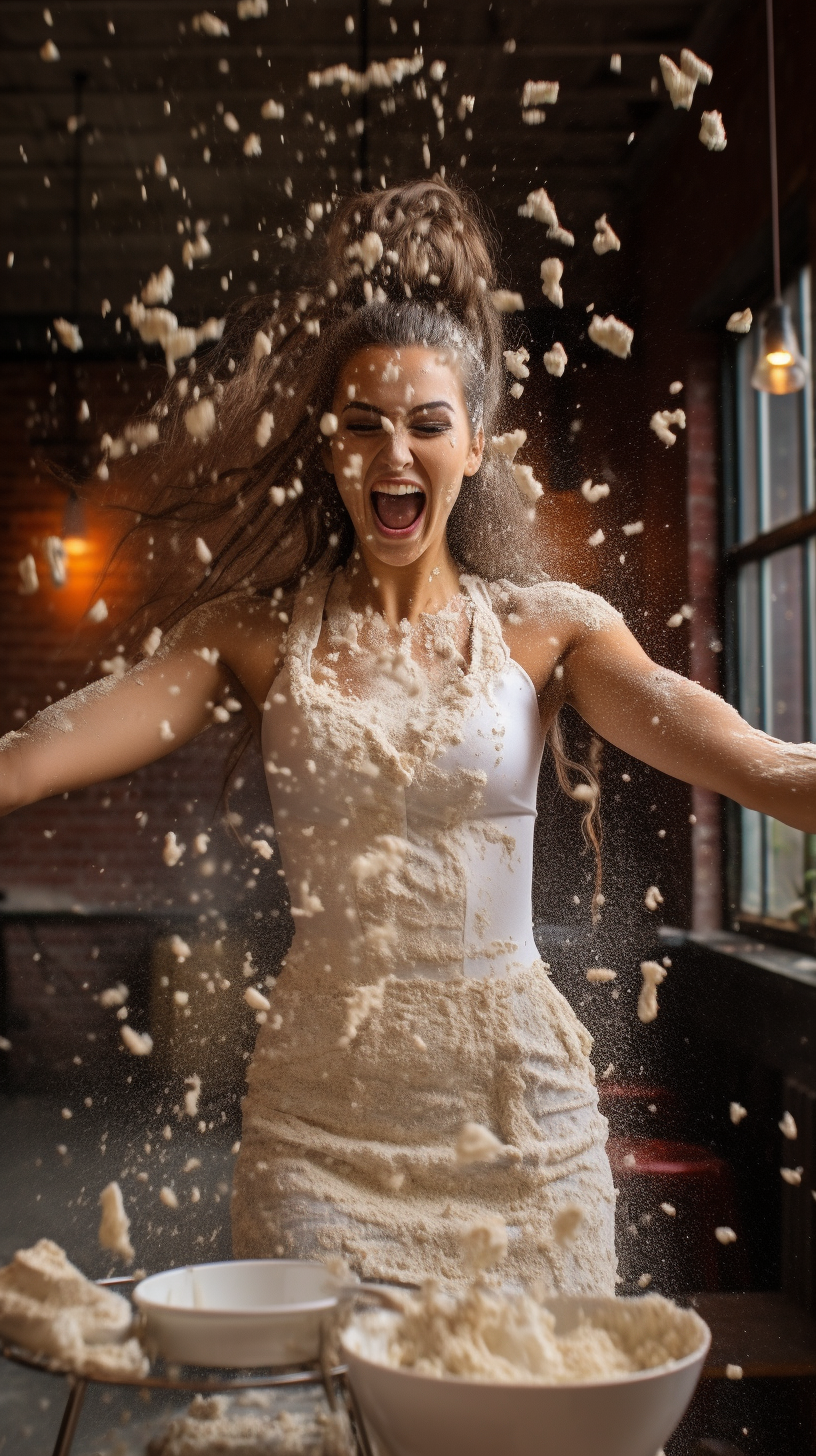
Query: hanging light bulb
(780, 367)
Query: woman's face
(403, 445)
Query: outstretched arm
(115, 726)
(682, 729)
(112, 727)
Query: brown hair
(590, 772)
(410, 264)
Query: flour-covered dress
(413, 999)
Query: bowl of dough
(241, 1314)
(483, 1370)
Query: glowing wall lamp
(74, 529)
(56, 556)
(780, 367)
(73, 542)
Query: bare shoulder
(245, 633)
(236, 613)
(542, 624)
(570, 609)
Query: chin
(397, 553)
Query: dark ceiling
(87, 218)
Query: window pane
(750, 703)
(785, 868)
(751, 888)
(784, 458)
(750, 676)
(782, 425)
(803, 324)
(748, 514)
(785, 718)
(784, 713)
(776, 614)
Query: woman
(373, 600)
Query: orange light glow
(77, 545)
(779, 357)
(86, 557)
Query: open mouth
(398, 508)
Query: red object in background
(699, 1185)
(635, 1109)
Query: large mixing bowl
(422, 1415)
(237, 1315)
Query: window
(771, 618)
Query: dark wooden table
(16, 910)
(766, 1333)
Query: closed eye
(424, 428)
(366, 418)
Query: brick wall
(103, 846)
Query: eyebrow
(374, 410)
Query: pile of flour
(485, 1334)
(218, 1426)
(48, 1307)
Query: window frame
(737, 552)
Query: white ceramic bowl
(421, 1415)
(237, 1315)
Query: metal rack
(187, 1379)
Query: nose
(396, 451)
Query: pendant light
(780, 367)
(74, 528)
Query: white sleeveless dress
(413, 999)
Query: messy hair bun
(427, 230)
(242, 465)
(424, 242)
(413, 265)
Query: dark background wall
(694, 230)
